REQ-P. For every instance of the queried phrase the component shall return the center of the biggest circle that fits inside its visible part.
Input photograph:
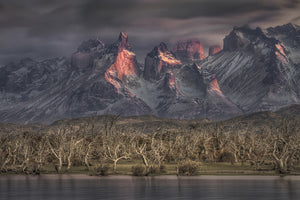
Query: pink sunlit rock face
(159, 61)
(214, 85)
(170, 83)
(214, 49)
(125, 65)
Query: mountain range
(256, 70)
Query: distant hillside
(256, 122)
(293, 110)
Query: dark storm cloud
(120, 12)
(290, 3)
(43, 28)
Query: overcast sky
(48, 28)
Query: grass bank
(205, 168)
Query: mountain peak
(284, 28)
(189, 50)
(90, 45)
(243, 37)
(162, 47)
(125, 66)
(289, 34)
(82, 59)
(290, 25)
(123, 36)
(159, 49)
(158, 61)
(123, 42)
(291, 31)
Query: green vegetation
(263, 143)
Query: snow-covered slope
(255, 72)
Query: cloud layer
(43, 29)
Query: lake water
(163, 187)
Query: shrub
(157, 170)
(163, 169)
(188, 168)
(138, 170)
(226, 157)
(102, 170)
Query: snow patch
(169, 58)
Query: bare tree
(56, 140)
(8, 150)
(257, 149)
(77, 142)
(284, 145)
(140, 145)
(19, 150)
(151, 149)
(41, 151)
(116, 148)
(86, 149)
(239, 145)
(62, 142)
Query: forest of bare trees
(65, 146)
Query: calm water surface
(164, 187)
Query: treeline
(69, 145)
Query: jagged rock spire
(158, 61)
(123, 42)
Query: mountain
(94, 80)
(255, 71)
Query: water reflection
(167, 187)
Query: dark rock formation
(158, 62)
(214, 49)
(189, 50)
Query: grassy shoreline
(212, 169)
